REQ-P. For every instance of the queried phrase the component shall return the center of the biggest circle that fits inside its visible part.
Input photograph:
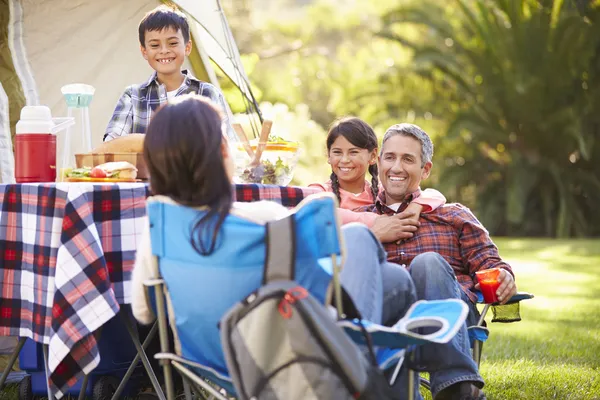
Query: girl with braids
(190, 163)
(351, 152)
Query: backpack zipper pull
(289, 298)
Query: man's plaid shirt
(136, 105)
(451, 231)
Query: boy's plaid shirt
(137, 104)
(451, 231)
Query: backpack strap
(280, 250)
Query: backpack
(282, 343)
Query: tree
(519, 81)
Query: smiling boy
(164, 36)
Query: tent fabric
(7, 161)
(212, 30)
(17, 48)
(11, 98)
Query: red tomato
(98, 173)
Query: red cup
(488, 284)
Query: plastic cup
(488, 284)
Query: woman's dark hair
(361, 135)
(163, 17)
(182, 150)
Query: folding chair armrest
(519, 296)
(443, 317)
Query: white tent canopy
(57, 42)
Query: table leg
(11, 361)
(45, 352)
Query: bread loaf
(132, 143)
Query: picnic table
(66, 255)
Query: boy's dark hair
(361, 135)
(182, 150)
(163, 17)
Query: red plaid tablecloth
(66, 255)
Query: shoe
(461, 391)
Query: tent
(45, 44)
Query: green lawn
(554, 352)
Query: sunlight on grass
(554, 352)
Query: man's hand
(507, 288)
(397, 227)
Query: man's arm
(121, 122)
(479, 252)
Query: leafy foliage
(521, 83)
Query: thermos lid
(38, 119)
(36, 113)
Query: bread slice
(124, 169)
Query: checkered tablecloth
(66, 255)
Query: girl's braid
(335, 185)
(374, 171)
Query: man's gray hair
(416, 132)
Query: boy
(164, 36)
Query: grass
(554, 352)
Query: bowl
(276, 166)
(91, 160)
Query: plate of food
(116, 171)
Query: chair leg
(411, 384)
(186, 388)
(163, 334)
(45, 353)
(11, 361)
(135, 361)
(140, 350)
(84, 384)
(477, 348)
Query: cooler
(116, 354)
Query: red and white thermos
(35, 145)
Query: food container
(276, 166)
(91, 160)
(35, 144)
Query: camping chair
(199, 290)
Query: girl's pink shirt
(430, 199)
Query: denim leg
(361, 274)
(399, 292)
(382, 291)
(448, 363)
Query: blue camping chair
(199, 290)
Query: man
(443, 256)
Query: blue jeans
(448, 363)
(382, 291)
